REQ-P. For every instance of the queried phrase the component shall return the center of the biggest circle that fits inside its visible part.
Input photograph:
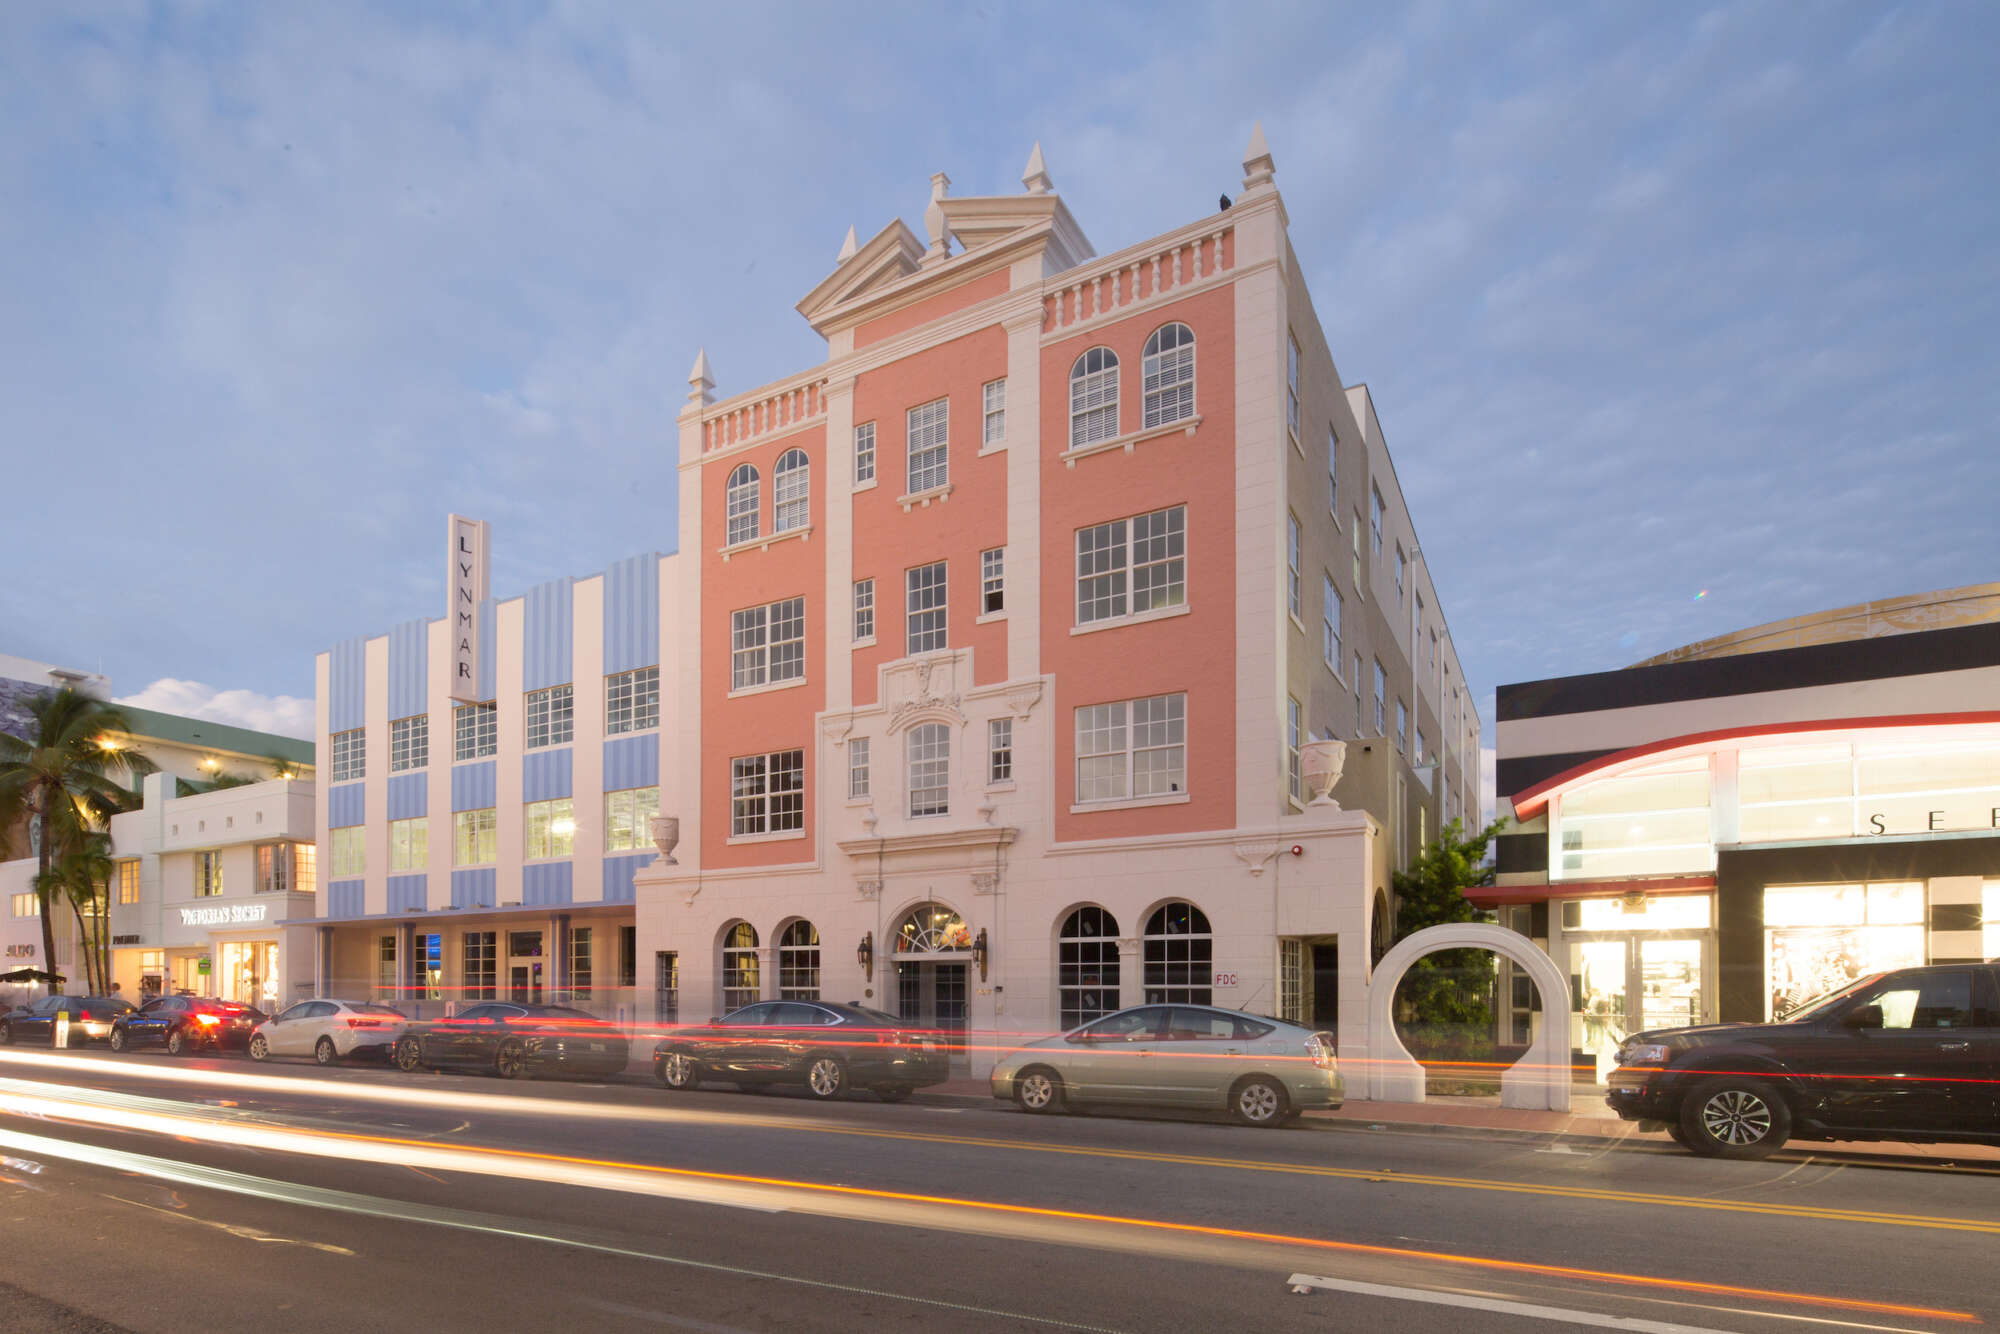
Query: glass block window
(993, 428)
(551, 828)
(925, 608)
(864, 453)
(1000, 750)
(857, 767)
(628, 818)
(930, 769)
(1131, 748)
(476, 837)
(347, 756)
(1130, 566)
(1168, 370)
(767, 793)
(632, 701)
(551, 716)
(791, 492)
(768, 644)
(992, 581)
(1093, 397)
(864, 609)
(929, 428)
(740, 504)
(409, 743)
(477, 730)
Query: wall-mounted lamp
(864, 954)
(979, 952)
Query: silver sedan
(1263, 1071)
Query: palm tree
(282, 767)
(59, 781)
(80, 877)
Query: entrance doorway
(1636, 981)
(1326, 987)
(932, 996)
(249, 973)
(524, 967)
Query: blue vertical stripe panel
(488, 671)
(545, 883)
(409, 796)
(473, 888)
(618, 873)
(343, 805)
(545, 774)
(632, 761)
(546, 630)
(409, 893)
(345, 898)
(473, 786)
(409, 668)
(632, 613)
(347, 685)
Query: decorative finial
(934, 219)
(701, 384)
(1258, 169)
(847, 247)
(1036, 174)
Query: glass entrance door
(524, 967)
(1632, 982)
(1600, 971)
(932, 996)
(1670, 983)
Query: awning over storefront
(1493, 896)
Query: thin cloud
(284, 715)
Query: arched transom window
(1168, 369)
(741, 983)
(791, 490)
(1093, 397)
(798, 962)
(740, 506)
(1087, 965)
(932, 928)
(1180, 956)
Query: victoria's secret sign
(467, 581)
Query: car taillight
(1320, 1051)
(209, 1020)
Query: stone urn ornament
(667, 836)
(1321, 763)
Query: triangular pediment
(890, 256)
(980, 221)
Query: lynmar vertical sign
(467, 583)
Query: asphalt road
(143, 1193)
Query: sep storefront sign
(467, 580)
(234, 914)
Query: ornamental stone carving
(1322, 763)
(667, 837)
(927, 686)
(868, 889)
(1255, 852)
(986, 882)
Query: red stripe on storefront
(1493, 896)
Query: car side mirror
(1863, 1016)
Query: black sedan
(89, 1019)
(186, 1024)
(513, 1040)
(825, 1046)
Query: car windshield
(1814, 1009)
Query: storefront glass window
(1820, 938)
(1991, 916)
(1652, 822)
(1659, 912)
(1796, 792)
(1907, 790)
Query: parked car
(186, 1024)
(329, 1030)
(513, 1040)
(826, 1047)
(1908, 1055)
(90, 1019)
(1261, 1070)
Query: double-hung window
(208, 868)
(1130, 566)
(1381, 700)
(740, 505)
(1294, 725)
(1131, 748)
(864, 611)
(1093, 397)
(924, 609)
(1293, 597)
(1333, 474)
(768, 644)
(1292, 384)
(791, 492)
(409, 743)
(993, 428)
(476, 728)
(628, 818)
(767, 793)
(476, 837)
(992, 581)
(1168, 372)
(1355, 533)
(551, 717)
(1402, 566)
(128, 877)
(1375, 511)
(858, 784)
(929, 430)
(347, 756)
(1402, 728)
(930, 769)
(1330, 609)
(551, 828)
(1000, 750)
(864, 453)
(632, 701)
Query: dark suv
(1909, 1055)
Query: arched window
(740, 505)
(932, 928)
(741, 984)
(1168, 370)
(1180, 956)
(1093, 397)
(1087, 966)
(798, 962)
(930, 769)
(791, 488)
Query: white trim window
(1131, 748)
(864, 453)
(1333, 474)
(1294, 539)
(1356, 680)
(410, 844)
(992, 581)
(277, 870)
(1294, 726)
(1167, 375)
(1131, 566)
(1402, 728)
(551, 717)
(864, 611)
(791, 491)
(208, 865)
(410, 743)
(1375, 512)
(1402, 568)
(925, 623)
(741, 502)
(929, 753)
(1093, 397)
(1418, 758)
(628, 818)
(128, 875)
(1381, 700)
(993, 423)
(632, 701)
(767, 793)
(767, 644)
(928, 431)
(858, 784)
(476, 730)
(476, 837)
(551, 828)
(1292, 384)
(348, 758)
(1000, 750)
(1360, 589)
(346, 854)
(1331, 606)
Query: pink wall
(930, 308)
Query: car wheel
(409, 1055)
(893, 1093)
(260, 1047)
(325, 1052)
(826, 1078)
(1038, 1089)
(1733, 1117)
(1258, 1101)
(509, 1062)
(118, 1039)
(679, 1072)
(1678, 1136)
(178, 1043)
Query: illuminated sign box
(234, 914)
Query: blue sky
(1652, 298)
